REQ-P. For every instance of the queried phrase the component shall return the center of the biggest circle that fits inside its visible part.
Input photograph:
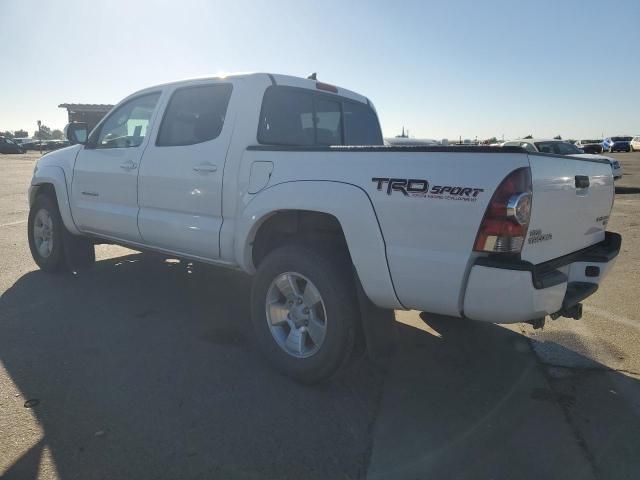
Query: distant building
(90, 113)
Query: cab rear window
(300, 117)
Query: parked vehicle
(589, 146)
(7, 145)
(560, 147)
(288, 180)
(634, 145)
(616, 144)
(22, 141)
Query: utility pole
(40, 135)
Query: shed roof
(86, 107)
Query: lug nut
(305, 310)
(299, 301)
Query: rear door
(572, 200)
(180, 186)
(104, 188)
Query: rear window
(299, 117)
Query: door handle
(205, 168)
(129, 165)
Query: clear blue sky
(441, 68)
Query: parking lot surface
(144, 367)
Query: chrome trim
(512, 206)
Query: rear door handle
(129, 165)
(205, 168)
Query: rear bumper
(503, 291)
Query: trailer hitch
(574, 311)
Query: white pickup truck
(287, 179)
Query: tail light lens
(506, 220)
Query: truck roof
(274, 78)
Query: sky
(441, 69)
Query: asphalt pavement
(145, 367)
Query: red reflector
(326, 87)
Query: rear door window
(194, 115)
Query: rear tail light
(506, 220)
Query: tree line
(45, 133)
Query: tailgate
(572, 200)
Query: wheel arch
(52, 180)
(335, 208)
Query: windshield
(559, 148)
(621, 139)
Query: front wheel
(45, 231)
(305, 311)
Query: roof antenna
(313, 76)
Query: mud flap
(79, 252)
(378, 328)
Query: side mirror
(77, 132)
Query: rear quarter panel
(429, 237)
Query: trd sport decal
(414, 187)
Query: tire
(337, 310)
(45, 222)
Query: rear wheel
(304, 311)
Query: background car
(616, 144)
(9, 146)
(560, 147)
(634, 145)
(589, 146)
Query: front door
(105, 181)
(180, 185)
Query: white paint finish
(104, 189)
(429, 241)
(180, 189)
(508, 296)
(576, 271)
(49, 173)
(104, 195)
(341, 200)
(411, 252)
(260, 175)
(572, 216)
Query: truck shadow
(144, 367)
